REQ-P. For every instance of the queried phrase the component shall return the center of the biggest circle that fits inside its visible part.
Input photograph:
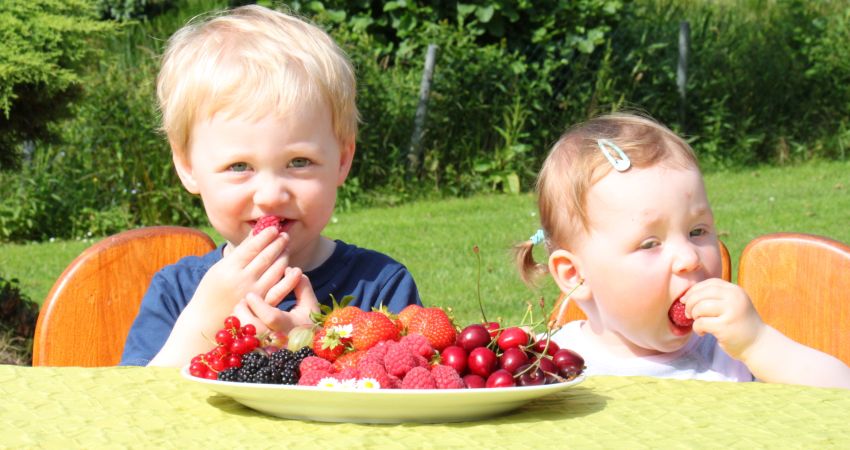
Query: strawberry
(445, 377)
(267, 221)
(435, 325)
(342, 316)
(327, 344)
(677, 315)
(418, 378)
(348, 360)
(406, 314)
(370, 328)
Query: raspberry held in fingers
(265, 222)
(677, 315)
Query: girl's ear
(184, 171)
(346, 157)
(565, 268)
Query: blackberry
(254, 361)
(304, 352)
(289, 373)
(281, 357)
(230, 374)
(262, 375)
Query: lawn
(435, 238)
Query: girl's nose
(687, 258)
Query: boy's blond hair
(576, 163)
(250, 62)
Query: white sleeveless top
(700, 359)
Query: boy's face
(288, 167)
(651, 238)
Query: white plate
(379, 405)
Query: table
(156, 408)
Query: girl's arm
(726, 311)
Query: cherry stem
(480, 304)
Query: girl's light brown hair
(576, 163)
(248, 63)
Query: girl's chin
(680, 331)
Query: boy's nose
(270, 191)
(687, 258)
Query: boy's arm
(726, 311)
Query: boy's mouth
(282, 224)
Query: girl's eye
(299, 162)
(239, 167)
(646, 245)
(697, 232)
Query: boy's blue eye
(239, 167)
(299, 162)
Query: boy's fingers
(273, 274)
(304, 295)
(265, 313)
(266, 256)
(291, 278)
(246, 251)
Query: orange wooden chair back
(85, 318)
(562, 313)
(800, 285)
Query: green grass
(435, 238)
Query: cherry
(512, 359)
(455, 357)
(512, 337)
(569, 363)
(473, 381)
(529, 375)
(499, 379)
(549, 368)
(482, 361)
(473, 336)
(493, 328)
(541, 345)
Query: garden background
(766, 106)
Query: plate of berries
(376, 367)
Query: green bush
(18, 316)
(44, 46)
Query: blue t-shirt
(374, 279)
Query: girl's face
(651, 238)
(288, 167)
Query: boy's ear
(346, 158)
(565, 268)
(184, 171)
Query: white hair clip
(621, 164)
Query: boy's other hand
(265, 315)
(724, 310)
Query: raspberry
(377, 372)
(418, 378)
(399, 360)
(265, 222)
(349, 373)
(446, 377)
(314, 363)
(677, 315)
(418, 344)
(376, 354)
(312, 378)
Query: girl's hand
(725, 311)
(266, 316)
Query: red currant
(249, 330)
(232, 322)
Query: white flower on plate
(368, 383)
(343, 331)
(329, 383)
(349, 383)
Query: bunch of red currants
(487, 356)
(233, 341)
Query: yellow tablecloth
(155, 408)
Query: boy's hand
(255, 266)
(265, 315)
(725, 311)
